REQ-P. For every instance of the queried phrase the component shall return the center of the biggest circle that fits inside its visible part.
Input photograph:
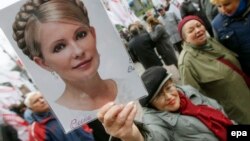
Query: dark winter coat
(233, 33)
(143, 47)
(163, 45)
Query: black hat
(153, 78)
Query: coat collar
(157, 117)
(216, 50)
(42, 117)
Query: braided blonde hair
(35, 12)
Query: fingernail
(111, 103)
(131, 103)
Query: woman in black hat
(170, 113)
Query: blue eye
(81, 34)
(58, 47)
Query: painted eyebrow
(75, 33)
(77, 30)
(80, 28)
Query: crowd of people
(205, 44)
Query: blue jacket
(47, 128)
(233, 33)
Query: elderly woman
(170, 113)
(208, 66)
(232, 27)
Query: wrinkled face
(69, 49)
(38, 104)
(168, 98)
(228, 7)
(194, 33)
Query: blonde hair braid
(27, 18)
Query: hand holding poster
(76, 42)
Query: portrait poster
(115, 64)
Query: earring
(55, 74)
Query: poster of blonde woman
(74, 55)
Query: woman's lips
(82, 64)
(200, 36)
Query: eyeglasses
(167, 89)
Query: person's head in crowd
(24, 89)
(70, 51)
(192, 30)
(136, 28)
(229, 7)
(18, 108)
(160, 9)
(139, 24)
(36, 102)
(133, 29)
(149, 13)
(124, 34)
(162, 92)
(152, 21)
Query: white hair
(28, 97)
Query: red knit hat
(185, 20)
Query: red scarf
(214, 119)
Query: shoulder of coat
(182, 57)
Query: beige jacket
(201, 69)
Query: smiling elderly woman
(208, 66)
(170, 113)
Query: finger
(123, 115)
(126, 129)
(111, 115)
(103, 110)
(131, 116)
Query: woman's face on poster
(69, 49)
